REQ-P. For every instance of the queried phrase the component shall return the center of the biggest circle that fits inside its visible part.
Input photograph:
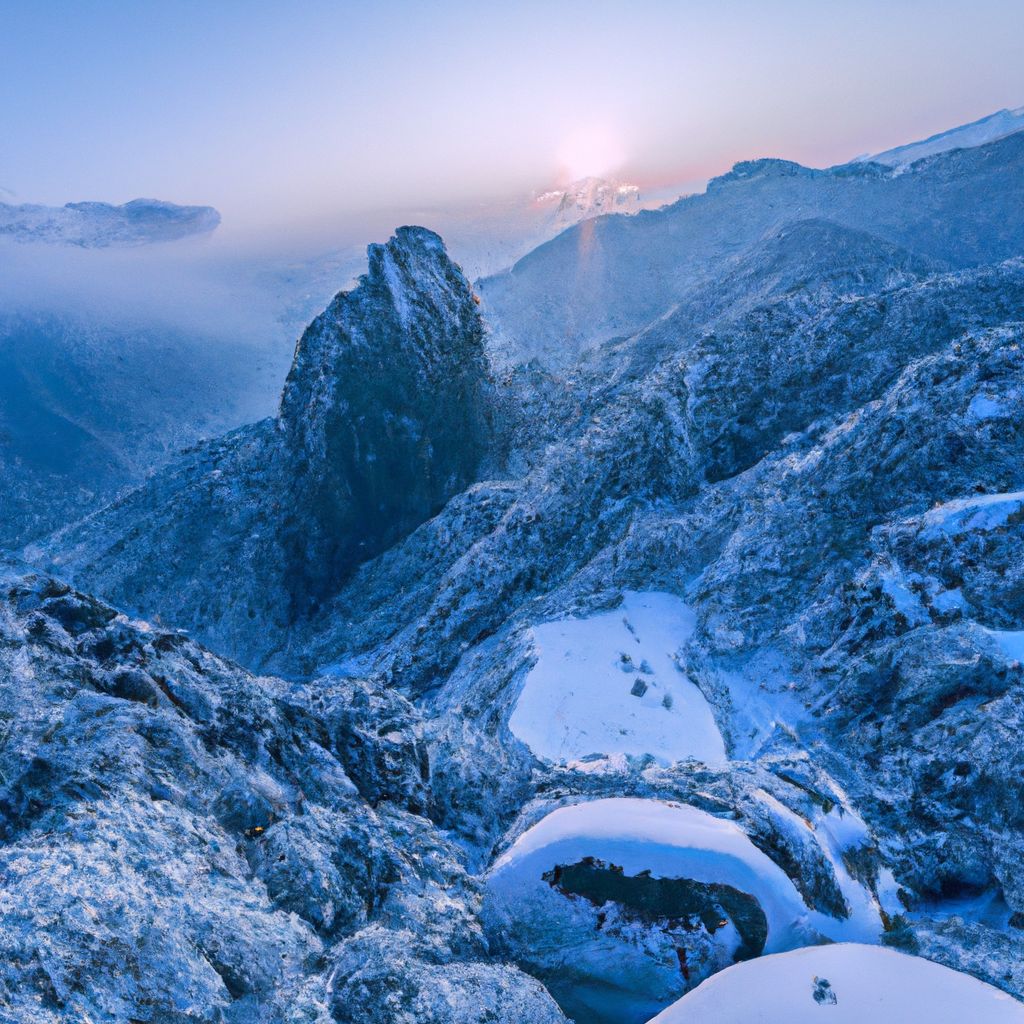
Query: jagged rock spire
(384, 410)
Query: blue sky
(280, 112)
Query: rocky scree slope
(231, 848)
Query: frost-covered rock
(224, 838)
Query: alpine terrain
(635, 634)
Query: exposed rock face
(384, 413)
(384, 418)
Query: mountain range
(577, 644)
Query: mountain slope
(611, 276)
(232, 848)
(977, 133)
(90, 402)
(790, 502)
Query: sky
(290, 113)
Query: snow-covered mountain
(657, 650)
(589, 197)
(986, 129)
(620, 274)
(98, 225)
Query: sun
(590, 151)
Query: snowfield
(843, 984)
(612, 684)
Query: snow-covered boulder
(843, 984)
(627, 903)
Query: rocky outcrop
(384, 417)
(232, 848)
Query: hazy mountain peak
(590, 197)
(94, 225)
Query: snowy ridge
(977, 133)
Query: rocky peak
(383, 411)
(410, 289)
(384, 417)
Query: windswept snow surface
(982, 512)
(612, 684)
(671, 841)
(978, 133)
(1011, 641)
(870, 985)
